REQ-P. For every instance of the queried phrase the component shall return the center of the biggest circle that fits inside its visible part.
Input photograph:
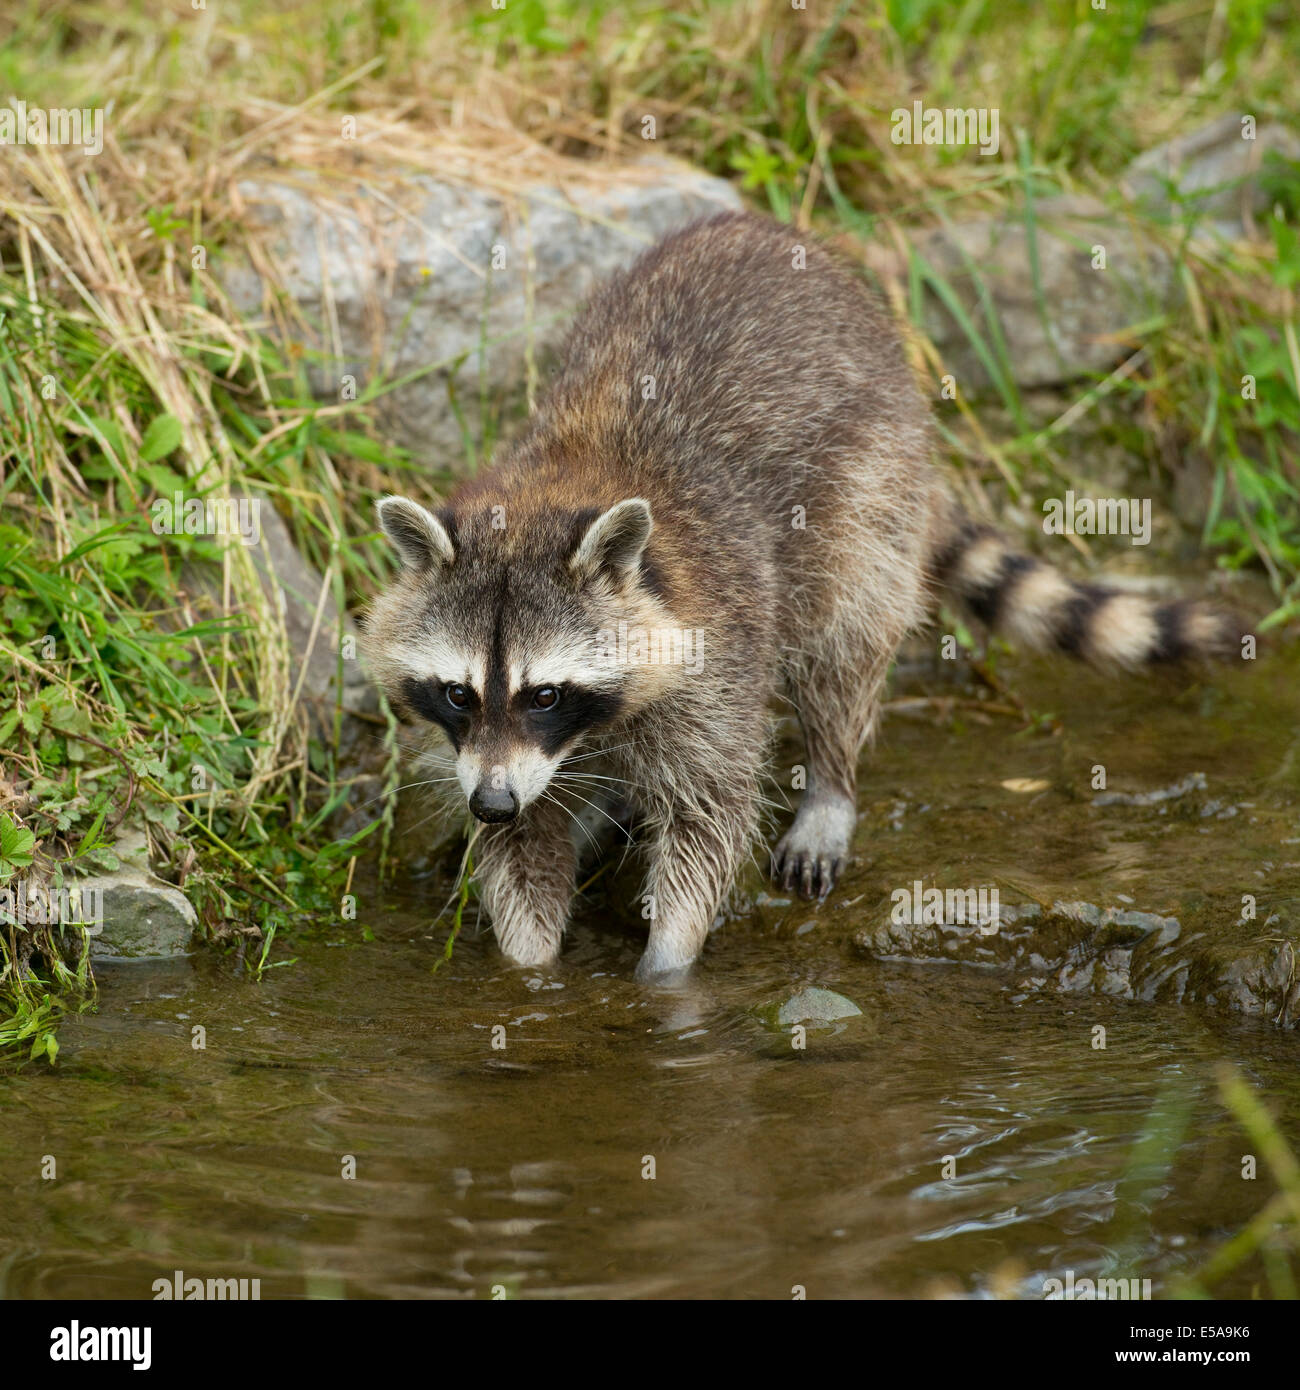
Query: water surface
(525, 1168)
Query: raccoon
(735, 451)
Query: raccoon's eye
(458, 696)
(546, 698)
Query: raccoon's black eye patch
(546, 698)
(430, 700)
(580, 710)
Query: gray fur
(734, 444)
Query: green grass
(119, 697)
(124, 376)
(1272, 1239)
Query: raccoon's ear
(421, 539)
(613, 543)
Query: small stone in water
(816, 1006)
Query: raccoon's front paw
(811, 855)
(655, 969)
(531, 957)
(525, 941)
(805, 871)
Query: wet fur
(798, 519)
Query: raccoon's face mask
(503, 638)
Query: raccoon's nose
(493, 804)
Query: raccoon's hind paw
(811, 855)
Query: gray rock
(1080, 948)
(143, 916)
(143, 920)
(296, 587)
(1193, 782)
(1075, 326)
(399, 279)
(1073, 322)
(1212, 172)
(137, 915)
(813, 1005)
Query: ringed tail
(1040, 608)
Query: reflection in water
(962, 1135)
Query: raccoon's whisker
(596, 753)
(601, 809)
(594, 777)
(591, 839)
(411, 829)
(406, 787)
(404, 746)
(627, 848)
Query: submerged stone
(1193, 782)
(812, 1005)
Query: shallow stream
(634, 1143)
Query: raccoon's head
(500, 636)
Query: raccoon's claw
(811, 855)
(805, 871)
